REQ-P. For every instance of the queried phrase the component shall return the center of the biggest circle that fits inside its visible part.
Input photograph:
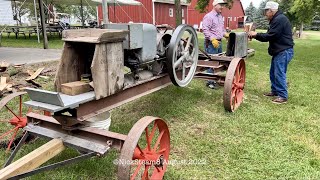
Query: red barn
(151, 11)
(233, 18)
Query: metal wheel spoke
(148, 140)
(145, 175)
(158, 140)
(178, 62)
(183, 71)
(8, 132)
(162, 150)
(136, 171)
(12, 112)
(140, 150)
(153, 130)
(239, 96)
(12, 138)
(188, 43)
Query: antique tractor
(154, 59)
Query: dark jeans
(211, 50)
(278, 72)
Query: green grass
(54, 41)
(260, 140)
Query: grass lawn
(260, 140)
(54, 41)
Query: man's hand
(252, 34)
(215, 43)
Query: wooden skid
(33, 160)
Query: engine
(144, 48)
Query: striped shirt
(213, 26)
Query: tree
(250, 13)
(260, 18)
(300, 12)
(203, 4)
(19, 9)
(88, 12)
(304, 11)
(178, 12)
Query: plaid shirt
(213, 26)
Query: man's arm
(273, 33)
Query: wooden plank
(94, 35)
(75, 88)
(3, 80)
(3, 83)
(106, 68)
(33, 160)
(35, 75)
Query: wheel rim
(234, 85)
(149, 161)
(182, 56)
(19, 120)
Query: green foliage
(260, 18)
(250, 13)
(202, 5)
(304, 10)
(300, 11)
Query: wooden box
(98, 52)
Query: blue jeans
(278, 72)
(211, 50)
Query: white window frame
(235, 19)
(170, 12)
(230, 19)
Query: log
(33, 160)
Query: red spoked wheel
(18, 120)
(145, 152)
(234, 85)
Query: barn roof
(183, 2)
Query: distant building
(163, 12)
(152, 11)
(6, 14)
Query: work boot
(270, 94)
(280, 100)
(212, 85)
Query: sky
(246, 3)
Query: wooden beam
(33, 160)
(43, 25)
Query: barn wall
(235, 14)
(125, 14)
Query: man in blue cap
(279, 36)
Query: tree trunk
(178, 12)
(301, 30)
